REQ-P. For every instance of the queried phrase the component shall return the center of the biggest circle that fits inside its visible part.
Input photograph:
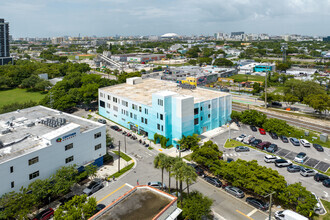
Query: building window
(114, 99)
(134, 107)
(101, 94)
(209, 106)
(102, 104)
(142, 119)
(146, 121)
(131, 114)
(97, 135)
(201, 118)
(160, 102)
(34, 160)
(158, 126)
(115, 108)
(69, 159)
(140, 109)
(146, 111)
(34, 175)
(162, 128)
(11, 169)
(201, 108)
(109, 97)
(196, 121)
(108, 105)
(124, 103)
(12, 184)
(196, 111)
(135, 117)
(209, 116)
(98, 146)
(161, 116)
(69, 146)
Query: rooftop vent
(5, 131)
(53, 122)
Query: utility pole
(266, 89)
(270, 204)
(119, 157)
(125, 143)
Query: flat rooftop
(141, 202)
(142, 92)
(22, 131)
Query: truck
(288, 215)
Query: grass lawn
(19, 95)
(122, 171)
(188, 157)
(243, 78)
(326, 216)
(232, 144)
(124, 156)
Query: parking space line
(129, 185)
(244, 214)
(111, 193)
(317, 164)
(252, 212)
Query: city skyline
(111, 17)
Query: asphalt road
(311, 185)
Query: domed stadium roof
(170, 35)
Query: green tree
(282, 66)
(206, 154)
(256, 88)
(189, 142)
(79, 207)
(206, 60)
(272, 97)
(91, 170)
(253, 117)
(178, 172)
(30, 82)
(278, 126)
(168, 164)
(302, 89)
(189, 175)
(193, 52)
(290, 99)
(192, 62)
(319, 102)
(63, 179)
(223, 62)
(160, 163)
(196, 206)
(235, 115)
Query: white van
(288, 215)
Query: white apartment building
(37, 141)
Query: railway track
(294, 122)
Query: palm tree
(178, 172)
(159, 163)
(174, 169)
(168, 164)
(190, 176)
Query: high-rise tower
(4, 42)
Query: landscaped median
(125, 169)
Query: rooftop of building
(142, 92)
(141, 202)
(30, 129)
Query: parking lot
(286, 150)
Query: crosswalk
(230, 154)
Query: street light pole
(270, 204)
(266, 89)
(125, 143)
(119, 158)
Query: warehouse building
(152, 106)
(37, 141)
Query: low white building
(297, 71)
(37, 141)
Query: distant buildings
(4, 43)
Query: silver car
(93, 187)
(235, 191)
(307, 172)
(157, 185)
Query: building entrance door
(204, 129)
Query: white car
(241, 138)
(270, 158)
(248, 139)
(301, 157)
(307, 172)
(318, 207)
(305, 143)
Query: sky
(54, 18)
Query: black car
(102, 121)
(326, 183)
(253, 128)
(199, 171)
(276, 104)
(294, 168)
(255, 142)
(272, 148)
(318, 147)
(273, 135)
(230, 160)
(319, 177)
(259, 204)
(99, 207)
(284, 139)
(114, 127)
(295, 141)
(213, 181)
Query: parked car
(301, 157)
(157, 185)
(241, 149)
(276, 104)
(288, 215)
(307, 172)
(93, 187)
(318, 147)
(293, 168)
(235, 191)
(241, 137)
(263, 145)
(101, 120)
(295, 141)
(99, 207)
(282, 163)
(253, 128)
(284, 139)
(318, 207)
(114, 127)
(326, 183)
(305, 143)
(270, 158)
(259, 204)
(255, 142)
(44, 215)
(273, 135)
(262, 131)
(230, 160)
(199, 171)
(214, 181)
(319, 177)
(248, 139)
(272, 148)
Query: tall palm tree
(168, 163)
(178, 172)
(175, 168)
(190, 176)
(159, 163)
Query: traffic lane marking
(244, 214)
(252, 212)
(111, 193)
